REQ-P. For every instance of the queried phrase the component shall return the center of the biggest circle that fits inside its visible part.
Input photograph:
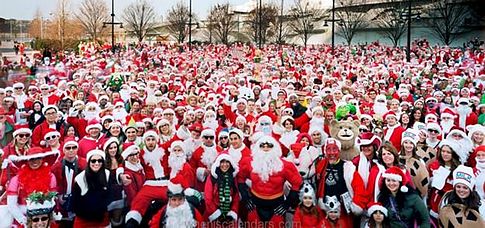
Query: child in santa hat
(378, 217)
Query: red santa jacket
(87, 144)
(79, 124)
(232, 115)
(239, 154)
(201, 162)
(154, 163)
(51, 100)
(11, 170)
(435, 196)
(58, 169)
(41, 130)
(303, 219)
(395, 136)
(137, 177)
(374, 175)
(274, 186)
(212, 201)
(353, 181)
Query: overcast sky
(25, 9)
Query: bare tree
(223, 22)
(92, 14)
(178, 19)
(303, 18)
(350, 21)
(390, 22)
(447, 18)
(140, 18)
(267, 23)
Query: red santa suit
(201, 161)
(268, 174)
(238, 154)
(40, 131)
(158, 174)
(466, 116)
(137, 177)
(394, 135)
(442, 182)
(49, 99)
(231, 115)
(87, 144)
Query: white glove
(73, 112)
(14, 210)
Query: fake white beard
(211, 123)
(480, 165)
(209, 155)
(119, 114)
(463, 111)
(90, 115)
(447, 125)
(317, 121)
(466, 148)
(265, 164)
(176, 164)
(380, 109)
(180, 216)
(125, 94)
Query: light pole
(333, 20)
(280, 36)
(112, 23)
(190, 24)
(408, 17)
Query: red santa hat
(150, 133)
(448, 112)
(129, 149)
(224, 156)
(390, 114)
(21, 130)
(69, 141)
(49, 107)
(376, 206)
(395, 173)
(177, 143)
(175, 190)
(464, 175)
(51, 133)
(93, 124)
(368, 138)
(34, 153)
(109, 142)
(95, 152)
(196, 127)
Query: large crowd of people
(235, 136)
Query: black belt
(158, 179)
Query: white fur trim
(95, 152)
(119, 171)
(215, 215)
(22, 130)
(175, 188)
(94, 126)
(218, 160)
(14, 158)
(349, 169)
(201, 174)
(189, 192)
(404, 188)
(133, 215)
(157, 183)
(375, 208)
(110, 140)
(356, 209)
(128, 151)
(392, 176)
(321, 204)
(208, 132)
(232, 214)
(117, 204)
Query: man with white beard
(119, 112)
(178, 213)
(447, 120)
(159, 175)
(458, 136)
(210, 120)
(91, 111)
(380, 105)
(465, 113)
(267, 168)
(194, 141)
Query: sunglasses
(223, 137)
(50, 138)
(23, 135)
(71, 147)
(266, 144)
(135, 154)
(18, 88)
(43, 219)
(208, 137)
(93, 161)
(433, 131)
(264, 124)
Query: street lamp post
(190, 24)
(333, 27)
(112, 23)
(407, 17)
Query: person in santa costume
(466, 116)
(92, 140)
(40, 207)
(65, 170)
(479, 169)
(221, 195)
(46, 97)
(194, 141)
(51, 116)
(34, 175)
(366, 162)
(393, 131)
(133, 170)
(403, 204)
(458, 136)
(440, 173)
(447, 120)
(378, 216)
(203, 157)
(178, 212)
(461, 207)
(340, 179)
(51, 141)
(477, 134)
(160, 169)
(414, 165)
(237, 149)
(91, 192)
(307, 214)
(18, 147)
(266, 167)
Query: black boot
(131, 223)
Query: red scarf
(37, 180)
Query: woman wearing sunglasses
(92, 192)
(18, 147)
(40, 207)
